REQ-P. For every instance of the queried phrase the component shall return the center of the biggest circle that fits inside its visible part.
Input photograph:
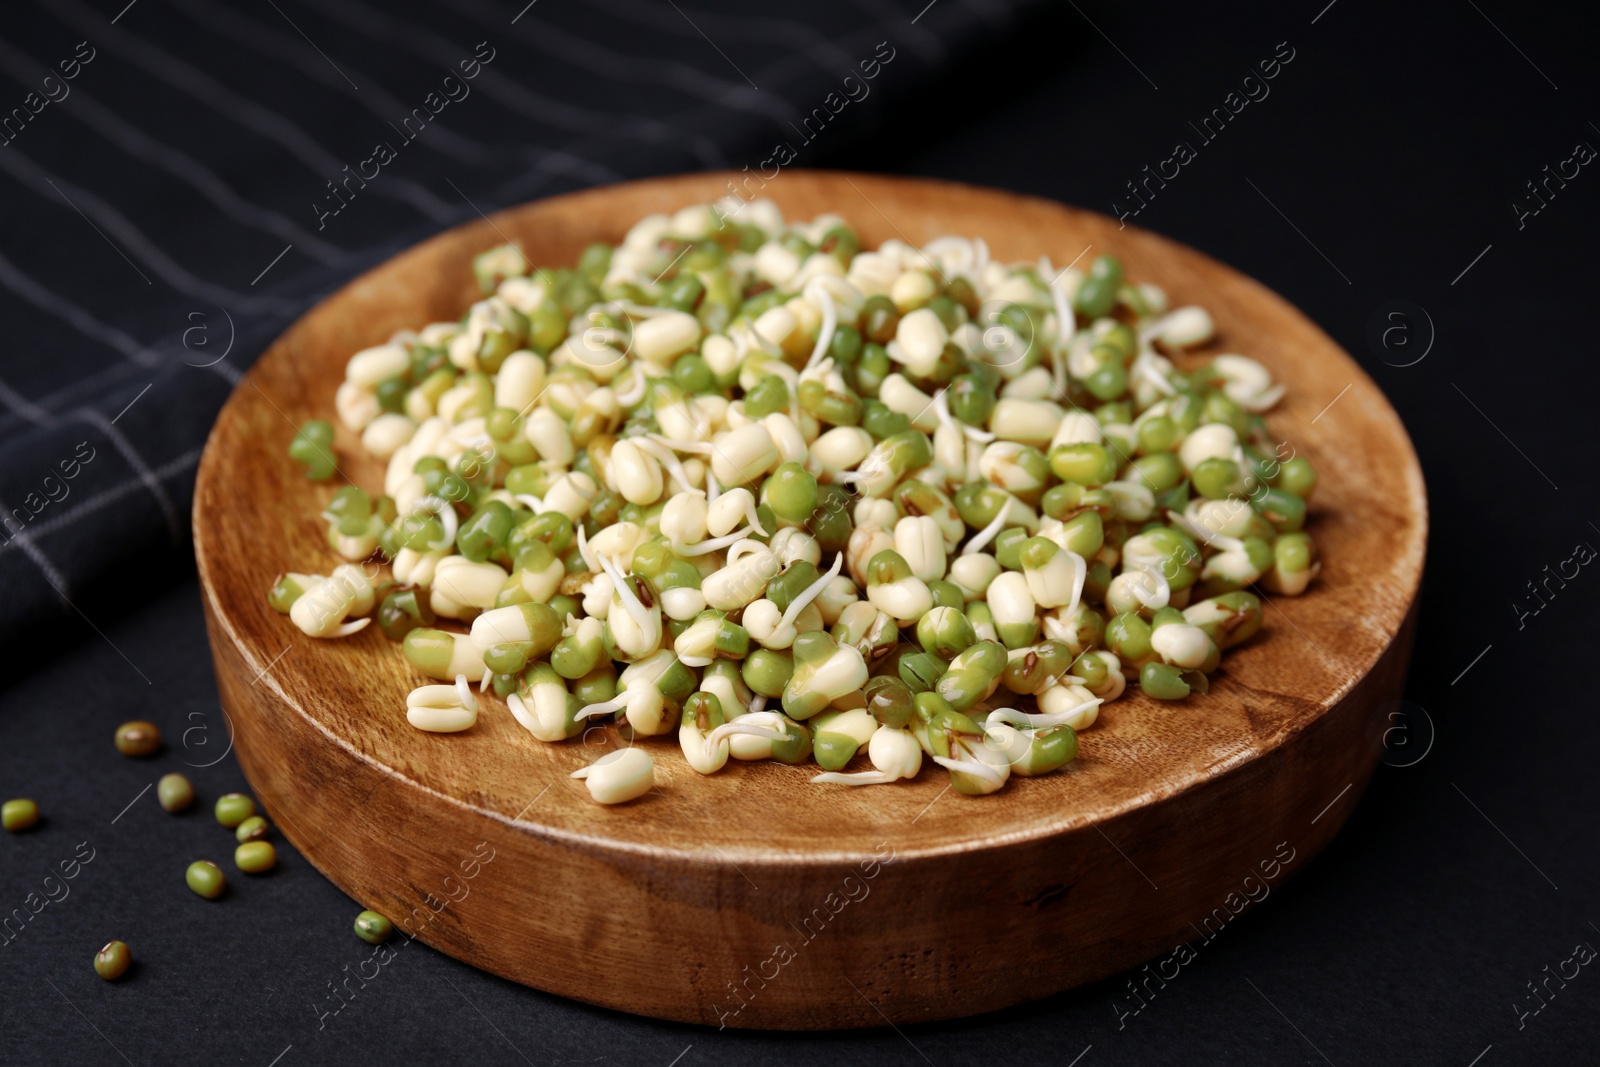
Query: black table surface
(1449, 923)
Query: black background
(1395, 141)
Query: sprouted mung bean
(746, 483)
(620, 776)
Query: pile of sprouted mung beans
(739, 481)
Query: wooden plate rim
(1412, 551)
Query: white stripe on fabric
(194, 82)
(64, 309)
(919, 39)
(140, 145)
(109, 376)
(22, 405)
(20, 538)
(280, 46)
(276, 45)
(524, 102)
(428, 44)
(776, 73)
(763, 29)
(120, 441)
(593, 57)
(59, 583)
(107, 497)
(36, 178)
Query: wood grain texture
(752, 898)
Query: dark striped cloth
(182, 178)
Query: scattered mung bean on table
(206, 879)
(255, 857)
(174, 792)
(373, 928)
(19, 814)
(113, 961)
(232, 809)
(253, 828)
(138, 738)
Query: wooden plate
(753, 898)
